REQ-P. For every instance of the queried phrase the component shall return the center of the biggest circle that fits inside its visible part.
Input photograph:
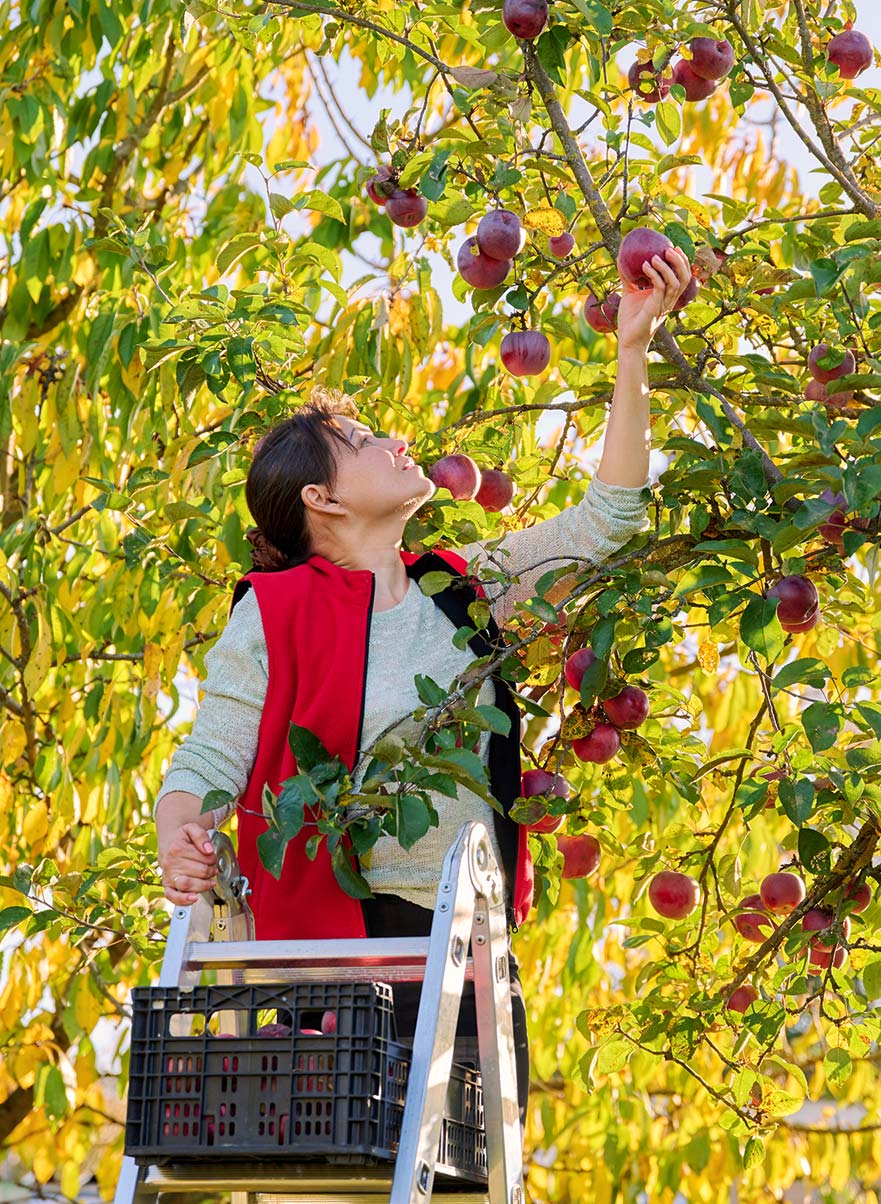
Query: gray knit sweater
(412, 637)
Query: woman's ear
(319, 498)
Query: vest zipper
(355, 857)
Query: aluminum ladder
(470, 904)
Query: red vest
(316, 620)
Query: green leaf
(293, 798)
(668, 116)
(271, 847)
(613, 1055)
(434, 583)
(822, 723)
(496, 719)
(347, 876)
(797, 799)
(838, 1067)
(413, 819)
(307, 748)
(320, 202)
(593, 681)
(759, 628)
(240, 358)
(429, 691)
(10, 916)
(807, 671)
(813, 850)
(753, 1153)
(52, 1093)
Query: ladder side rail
(436, 1022)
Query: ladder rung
(400, 959)
(314, 1183)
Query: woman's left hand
(643, 310)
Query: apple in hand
(525, 19)
(696, 87)
(628, 709)
(851, 52)
(782, 893)
(647, 83)
(576, 665)
(688, 294)
(581, 855)
(638, 247)
(479, 270)
(406, 207)
(711, 59)
(673, 895)
(525, 352)
(602, 316)
(458, 474)
(599, 745)
(496, 490)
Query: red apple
(637, 248)
(576, 665)
(496, 490)
(782, 893)
(525, 352)
(739, 1000)
(688, 294)
(851, 52)
(823, 958)
(525, 18)
(406, 207)
(598, 746)
(711, 59)
(844, 365)
(628, 709)
(648, 83)
(328, 1023)
(696, 87)
(859, 894)
(798, 605)
(673, 895)
(818, 919)
(581, 855)
(539, 781)
(479, 270)
(602, 316)
(833, 528)
(547, 825)
(378, 187)
(275, 1030)
(752, 920)
(498, 234)
(560, 245)
(457, 473)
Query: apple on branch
(525, 352)
(496, 490)
(673, 895)
(458, 474)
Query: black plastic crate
(300, 1094)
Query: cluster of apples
(699, 76)
(491, 488)
(624, 711)
(798, 603)
(825, 365)
(779, 894)
(581, 854)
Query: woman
(328, 632)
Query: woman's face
(376, 477)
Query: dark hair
(296, 452)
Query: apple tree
(186, 256)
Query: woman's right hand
(188, 863)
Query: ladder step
(297, 1183)
(398, 959)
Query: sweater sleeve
(593, 530)
(219, 752)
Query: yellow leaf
(36, 824)
(152, 665)
(546, 219)
(40, 660)
(70, 1180)
(13, 741)
(708, 656)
